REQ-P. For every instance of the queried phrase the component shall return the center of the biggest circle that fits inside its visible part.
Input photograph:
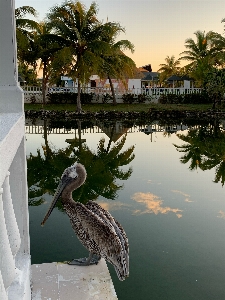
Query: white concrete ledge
(59, 281)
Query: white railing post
(3, 295)
(14, 231)
(7, 263)
(10, 219)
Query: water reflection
(187, 197)
(205, 149)
(103, 168)
(153, 204)
(174, 218)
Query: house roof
(151, 76)
(185, 77)
(174, 78)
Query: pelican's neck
(76, 183)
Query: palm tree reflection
(103, 169)
(205, 149)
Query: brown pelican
(94, 226)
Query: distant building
(96, 82)
(150, 79)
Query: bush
(194, 98)
(33, 99)
(106, 98)
(142, 98)
(128, 98)
(65, 97)
(170, 99)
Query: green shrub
(170, 99)
(106, 98)
(86, 97)
(65, 97)
(194, 98)
(142, 98)
(128, 98)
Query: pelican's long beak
(58, 193)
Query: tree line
(207, 51)
(73, 42)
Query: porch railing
(14, 235)
(102, 90)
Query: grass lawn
(121, 107)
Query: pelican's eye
(73, 173)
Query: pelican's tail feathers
(122, 268)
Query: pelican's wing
(95, 230)
(123, 259)
(100, 211)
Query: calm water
(171, 209)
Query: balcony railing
(14, 236)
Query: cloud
(183, 194)
(188, 200)
(112, 205)
(180, 192)
(153, 204)
(221, 214)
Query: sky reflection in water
(174, 218)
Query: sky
(157, 28)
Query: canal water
(163, 183)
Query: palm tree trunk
(47, 148)
(44, 83)
(78, 97)
(112, 89)
(111, 137)
(79, 135)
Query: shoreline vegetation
(141, 112)
(134, 107)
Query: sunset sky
(157, 28)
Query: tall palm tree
(171, 67)
(200, 54)
(24, 26)
(24, 34)
(82, 31)
(47, 44)
(199, 49)
(116, 64)
(218, 43)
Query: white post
(3, 295)
(7, 263)
(11, 94)
(10, 219)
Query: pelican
(97, 230)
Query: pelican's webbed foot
(93, 259)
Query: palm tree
(200, 49)
(103, 167)
(200, 54)
(116, 64)
(24, 26)
(171, 67)
(218, 43)
(82, 33)
(24, 35)
(204, 149)
(48, 44)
